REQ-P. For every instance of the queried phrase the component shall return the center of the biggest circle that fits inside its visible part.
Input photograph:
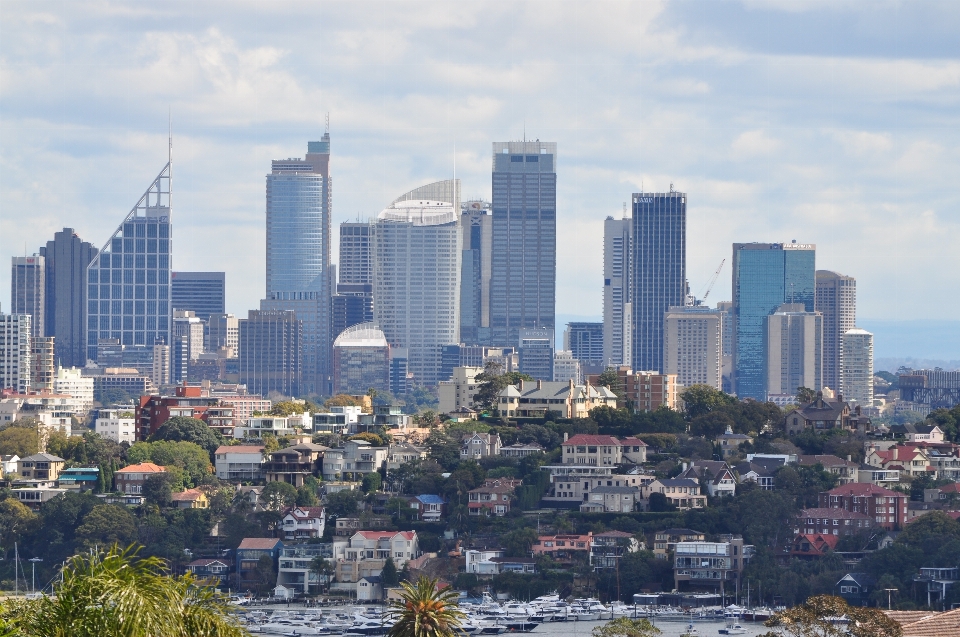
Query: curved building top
(430, 205)
(361, 335)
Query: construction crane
(713, 280)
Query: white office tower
(794, 349)
(72, 382)
(836, 299)
(566, 367)
(161, 365)
(858, 367)
(186, 323)
(417, 244)
(693, 345)
(617, 319)
(15, 352)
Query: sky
(834, 123)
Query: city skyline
(770, 138)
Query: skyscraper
(66, 258)
(537, 353)
(356, 253)
(617, 309)
(524, 248)
(299, 273)
(270, 350)
(726, 326)
(128, 291)
(42, 363)
(765, 276)
(476, 266)
(858, 367)
(203, 293)
(223, 330)
(794, 350)
(417, 275)
(361, 360)
(693, 345)
(585, 341)
(27, 291)
(15, 365)
(659, 270)
(836, 299)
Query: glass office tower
(66, 259)
(128, 282)
(765, 276)
(659, 270)
(524, 249)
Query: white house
(239, 462)
(301, 523)
(116, 425)
(8, 464)
(356, 459)
(479, 561)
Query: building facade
(223, 330)
(858, 367)
(361, 360)
(765, 276)
(659, 276)
(356, 253)
(836, 300)
(66, 258)
(536, 353)
(476, 222)
(203, 293)
(585, 341)
(617, 308)
(42, 363)
(270, 351)
(28, 287)
(417, 275)
(524, 262)
(128, 281)
(566, 367)
(693, 345)
(15, 364)
(794, 347)
(460, 390)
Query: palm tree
(116, 594)
(424, 611)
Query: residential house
(521, 450)
(249, 552)
(918, 432)
(633, 450)
(478, 561)
(917, 509)
(294, 572)
(571, 483)
(598, 451)
(369, 589)
(683, 493)
(79, 478)
(278, 426)
(823, 414)
(389, 417)
(130, 479)
(301, 523)
(190, 499)
(881, 477)
(40, 466)
(341, 419)
(8, 464)
(838, 522)
(561, 547)
(399, 455)
(348, 526)
(938, 582)
(293, 464)
(855, 588)
(760, 470)
(812, 545)
(33, 497)
(887, 508)
(239, 462)
(492, 497)
(730, 443)
(210, 571)
(717, 475)
(909, 459)
(611, 500)
(353, 461)
(534, 399)
(476, 446)
(365, 552)
(946, 493)
(608, 547)
(665, 541)
(711, 566)
(845, 470)
(524, 565)
(428, 507)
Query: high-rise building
(186, 323)
(765, 276)
(536, 353)
(585, 341)
(693, 345)
(128, 291)
(160, 374)
(417, 275)
(356, 253)
(617, 309)
(659, 270)
(794, 350)
(179, 358)
(524, 240)
(299, 272)
(270, 351)
(28, 291)
(66, 258)
(15, 365)
(476, 268)
(71, 381)
(836, 299)
(566, 367)
(352, 305)
(361, 360)
(223, 330)
(203, 293)
(726, 327)
(42, 366)
(858, 367)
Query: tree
(157, 490)
(20, 438)
(626, 627)
(367, 436)
(116, 593)
(805, 395)
(491, 381)
(424, 611)
(389, 575)
(371, 482)
(107, 524)
(307, 496)
(611, 380)
(702, 399)
(344, 400)
(322, 568)
(279, 495)
(188, 456)
(427, 418)
(517, 543)
(343, 503)
(181, 428)
(660, 502)
(711, 424)
(813, 619)
(16, 519)
(266, 574)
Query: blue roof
(430, 499)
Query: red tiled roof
(187, 496)
(379, 535)
(633, 442)
(262, 543)
(819, 542)
(143, 467)
(585, 439)
(863, 488)
(311, 512)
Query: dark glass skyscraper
(659, 270)
(128, 282)
(524, 248)
(67, 258)
(203, 293)
(476, 221)
(765, 276)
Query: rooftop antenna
(169, 134)
(624, 209)
(326, 128)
